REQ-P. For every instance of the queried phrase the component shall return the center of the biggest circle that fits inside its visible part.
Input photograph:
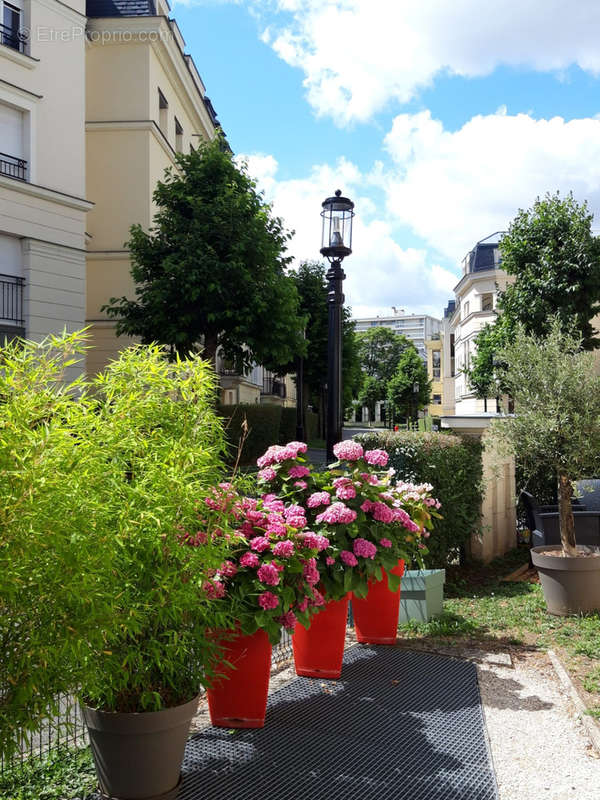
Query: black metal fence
(11, 299)
(13, 166)
(67, 728)
(13, 38)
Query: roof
(121, 8)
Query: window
(11, 25)
(163, 113)
(466, 360)
(487, 302)
(466, 310)
(178, 136)
(436, 363)
(437, 399)
(12, 162)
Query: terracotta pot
(318, 651)
(571, 585)
(376, 615)
(138, 756)
(239, 698)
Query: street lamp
(336, 244)
(416, 388)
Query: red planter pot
(318, 651)
(239, 699)
(376, 615)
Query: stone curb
(591, 728)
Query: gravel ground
(539, 746)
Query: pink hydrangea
(369, 477)
(346, 492)
(383, 513)
(299, 472)
(298, 447)
(276, 526)
(267, 474)
(364, 548)
(247, 529)
(330, 560)
(367, 506)
(288, 620)
(268, 574)
(300, 484)
(317, 599)
(318, 499)
(377, 458)
(402, 517)
(268, 601)
(269, 457)
(272, 504)
(293, 510)
(385, 543)
(260, 544)
(348, 558)
(337, 513)
(214, 590)
(315, 541)
(284, 549)
(303, 604)
(256, 518)
(228, 569)
(348, 451)
(297, 522)
(249, 560)
(310, 572)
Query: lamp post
(300, 395)
(336, 244)
(416, 388)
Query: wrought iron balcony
(13, 167)
(11, 299)
(274, 386)
(15, 39)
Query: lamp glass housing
(336, 234)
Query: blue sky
(439, 119)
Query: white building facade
(42, 167)
(417, 328)
(475, 306)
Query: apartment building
(42, 167)
(418, 328)
(145, 102)
(434, 351)
(475, 305)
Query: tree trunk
(565, 508)
(210, 348)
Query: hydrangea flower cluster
(369, 520)
(270, 579)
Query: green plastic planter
(421, 594)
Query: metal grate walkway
(401, 725)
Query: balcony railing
(15, 39)
(274, 386)
(11, 299)
(13, 167)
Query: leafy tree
(555, 260)
(311, 284)
(410, 371)
(557, 424)
(212, 267)
(380, 351)
(372, 390)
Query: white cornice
(43, 193)
(474, 277)
(19, 58)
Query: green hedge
(287, 430)
(452, 464)
(264, 423)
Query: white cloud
(380, 273)
(357, 55)
(453, 188)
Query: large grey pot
(138, 755)
(570, 585)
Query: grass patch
(479, 608)
(61, 775)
